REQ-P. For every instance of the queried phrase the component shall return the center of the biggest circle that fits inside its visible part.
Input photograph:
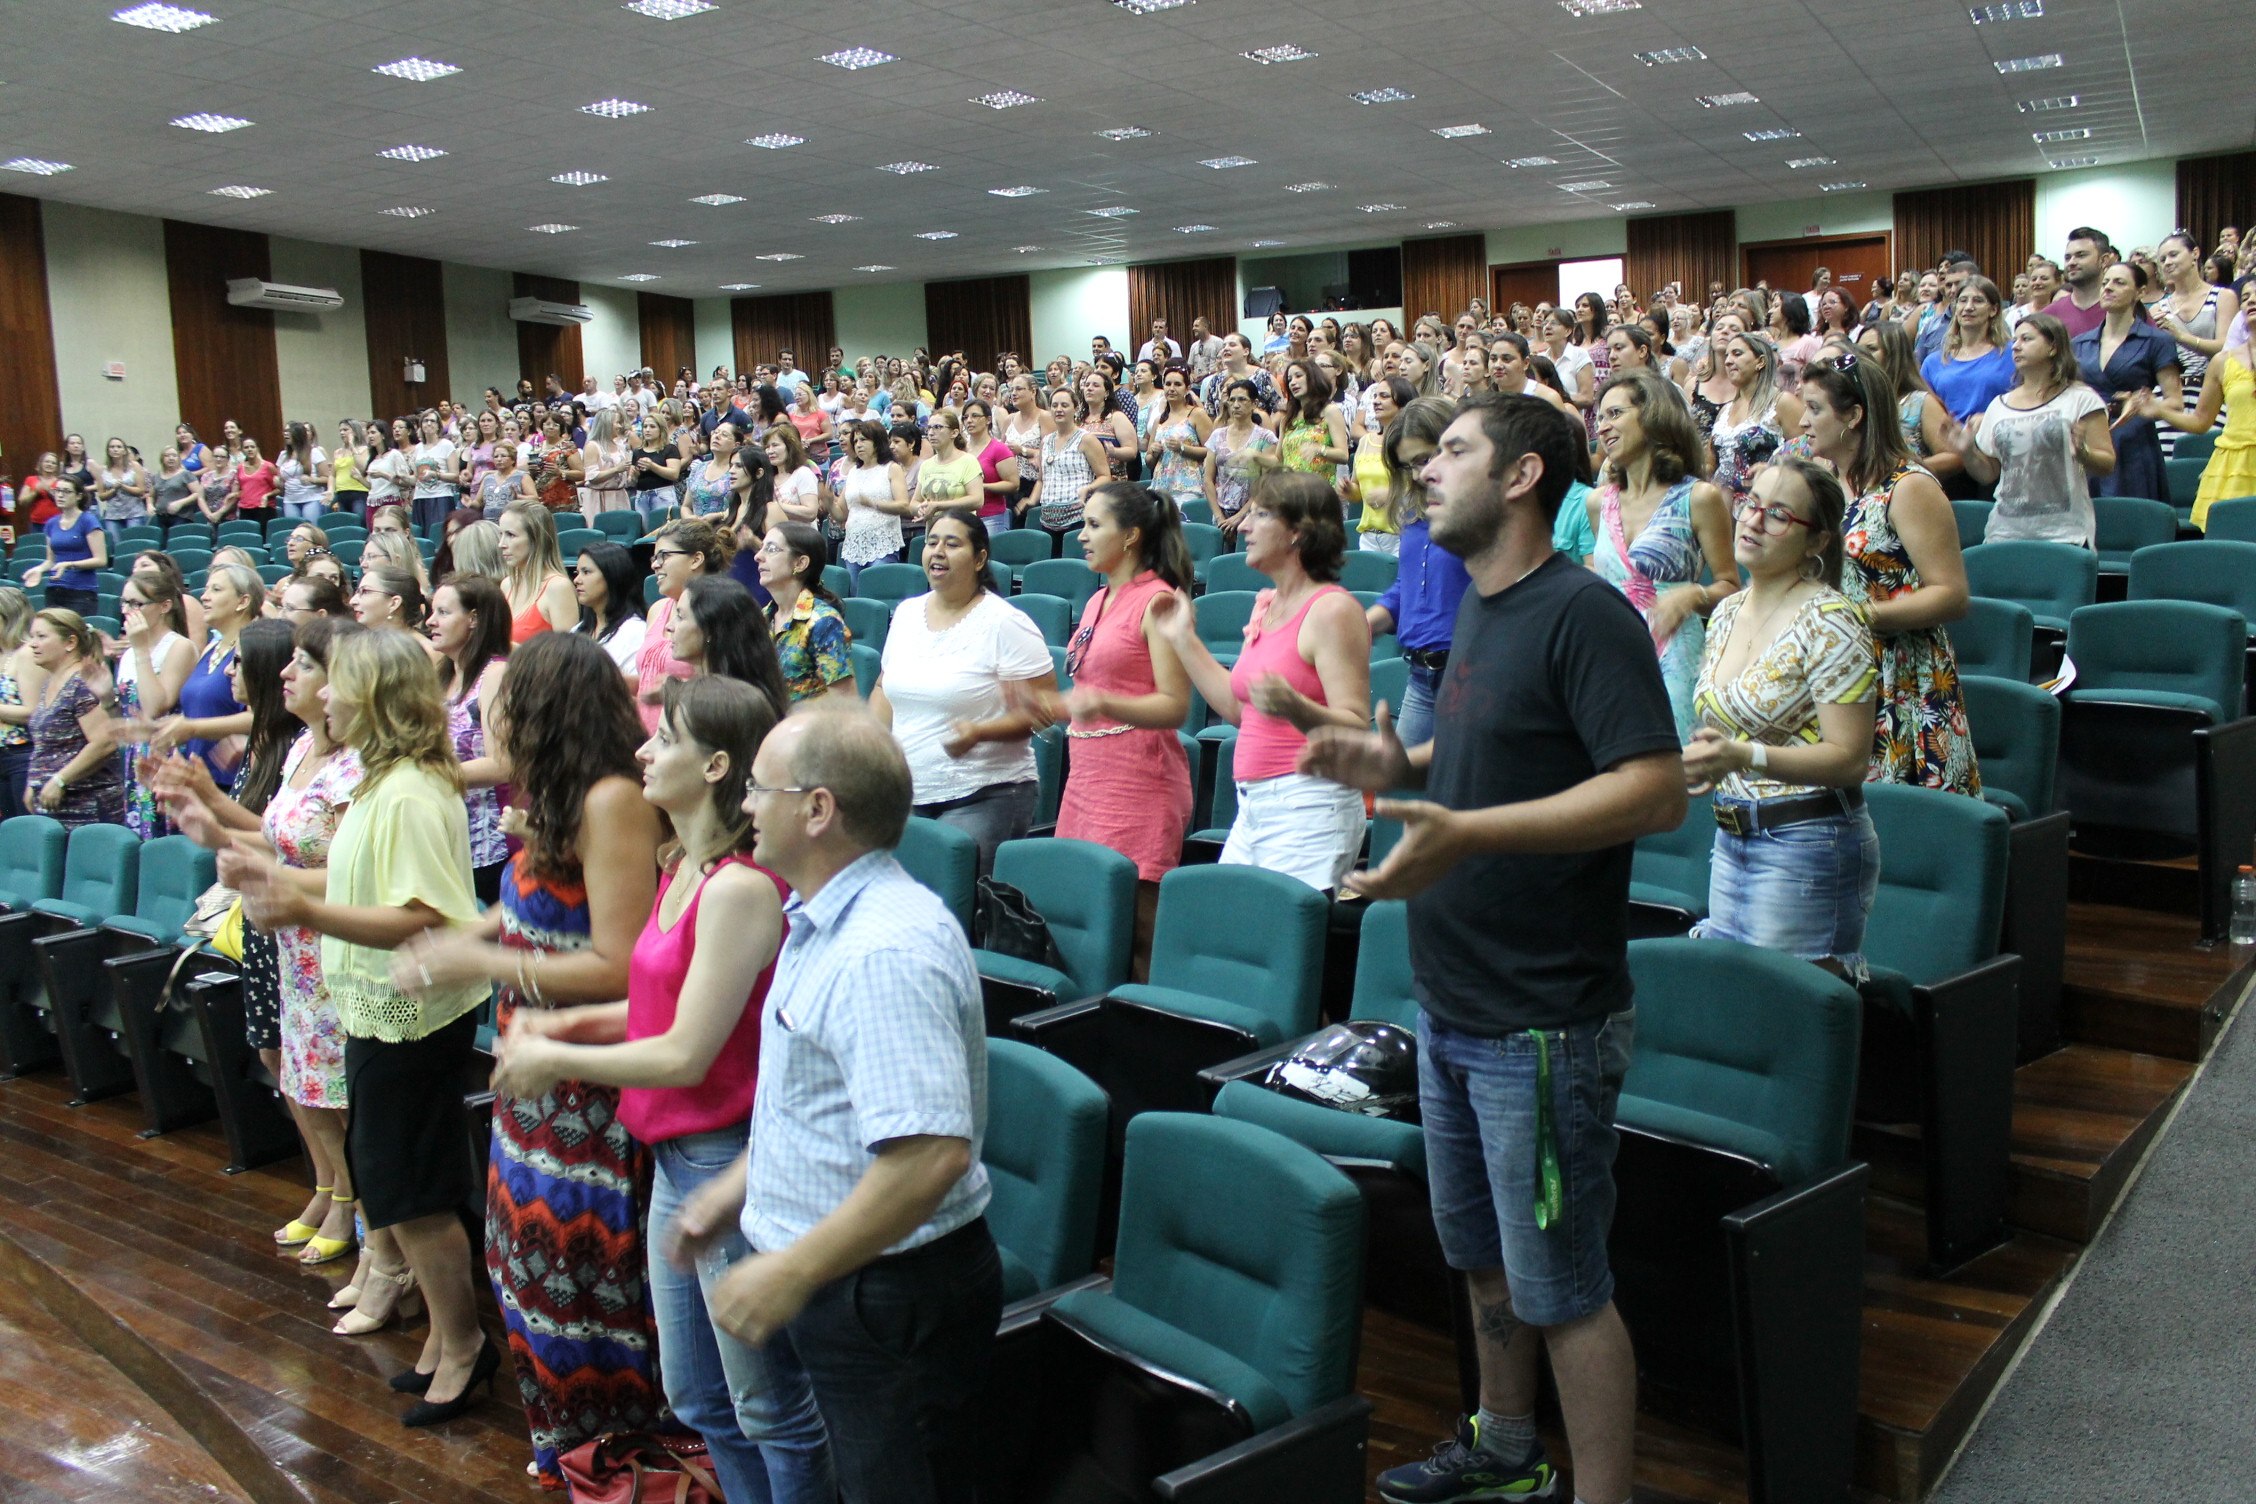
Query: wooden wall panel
(1692, 249)
(545, 350)
(801, 322)
(31, 408)
(222, 355)
(983, 317)
(1179, 291)
(2214, 192)
(1443, 275)
(669, 333)
(404, 299)
(1995, 223)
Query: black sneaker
(1459, 1472)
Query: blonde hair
(543, 558)
(396, 549)
(15, 618)
(395, 713)
(477, 550)
(72, 628)
(1994, 331)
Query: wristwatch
(1758, 757)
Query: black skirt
(262, 991)
(407, 1136)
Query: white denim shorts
(1302, 826)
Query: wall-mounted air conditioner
(250, 292)
(541, 311)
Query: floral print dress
(1920, 734)
(301, 823)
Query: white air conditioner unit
(541, 311)
(250, 292)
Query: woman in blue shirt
(1975, 363)
(76, 547)
(1420, 607)
(2126, 356)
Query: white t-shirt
(2042, 493)
(934, 679)
(439, 459)
(798, 488)
(625, 645)
(1569, 361)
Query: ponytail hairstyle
(727, 716)
(1829, 506)
(805, 540)
(1858, 382)
(739, 643)
(1158, 525)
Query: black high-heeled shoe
(411, 1382)
(438, 1412)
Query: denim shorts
(1803, 889)
(1303, 826)
(1478, 1098)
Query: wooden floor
(182, 1255)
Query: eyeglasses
(660, 555)
(1776, 519)
(757, 789)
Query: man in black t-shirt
(1554, 749)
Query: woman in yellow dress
(2229, 382)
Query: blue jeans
(656, 505)
(430, 511)
(753, 1406)
(306, 511)
(997, 813)
(1415, 724)
(1804, 889)
(854, 571)
(1477, 1095)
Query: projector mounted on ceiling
(250, 292)
(541, 311)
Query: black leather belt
(1432, 660)
(1770, 814)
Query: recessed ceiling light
(1458, 132)
(833, 219)
(669, 10)
(1284, 52)
(2075, 162)
(738, 286)
(406, 211)
(1308, 187)
(1110, 211)
(874, 266)
(1146, 7)
(1125, 133)
(579, 178)
(1005, 99)
(1587, 185)
(1441, 224)
(1106, 260)
(1842, 187)
(1194, 229)
(1531, 161)
(37, 166)
(238, 190)
(855, 57)
(2035, 64)
(1023, 190)
(2014, 10)
(2056, 102)
(205, 120)
(1635, 203)
(1599, 7)
(417, 70)
(936, 234)
(552, 229)
(172, 18)
(1025, 249)
(1798, 163)
(1661, 55)
(1774, 133)
(1388, 95)
(1718, 101)
(1379, 208)
(717, 200)
(776, 140)
(779, 256)
(2069, 133)
(614, 109)
(1264, 244)
(903, 169)
(1224, 164)
(412, 153)
(638, 276)
(673, 245)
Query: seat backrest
(2187, 648)
(1045, 1156)
(2016, 729)
(1248, 1241)
(175, 871)
(2220, 571)
(1019, 546)
(619, 526)
(1973, 520)
(31, 857)
(1087, 894)
(1054, 614)
(1390, 681)
(1232, 572)
(1222, 618)
(1994, 637)
(2183, 475)
(868, 619)
(102, 869)
(1364, 569)
(2051, 579)
(835, 578)
(867, 662)
(944, 859)
(1941, 902)
(2122, 525)
(1245, 935)
(1682, 859)
(1204, 540)
(1223, 811)
(1744, 1049)
(1383, 993)
(890, 582)
(2231, 521)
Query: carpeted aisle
(2139, 1386)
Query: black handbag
(1011, 926)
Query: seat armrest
(1316, 1458)
(1062, 1020)
(1215, 1077)
(1968, 1027)
(1022, 1314)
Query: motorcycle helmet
(1370, 1068)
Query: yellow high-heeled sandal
(321, 1250)
(296, 1234)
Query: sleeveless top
(1177, 475)
(870, 534)
(344, 465)
(706, 496)
(1919, 733)
(1267, 746)
(2192, 361)
(496, 491)
(466, 727)
(1065, 470)
(655, 974)
(1743, 448)
(1300, 442)
(205, 696)
(529, 623)
(1666, 554)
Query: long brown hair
(723, 715)
(570, 722)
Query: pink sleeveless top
(655, 973)
(1268, 746)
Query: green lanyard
(1550, 1198)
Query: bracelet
(1758, 757)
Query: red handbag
(635, 1468)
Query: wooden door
(1529, 282)
(1856, 261)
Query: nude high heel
(386, 1295)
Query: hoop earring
(1812, 568)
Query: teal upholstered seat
(1237, 946)
(1994, 638)
(2016, 728)
(101, 868)
(890, 582)
(2170, 654)
(1227, 572)
(944, 859)
(1044, 1151)
(1086, 893)
(868, 619)
(2219, 571)
(1071, 578)
(2053, 580)
(174, 873)
(31, 860)
(1670, 870)
(1054, 614)
(2123, 525)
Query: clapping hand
(1708, 757)
(1176, 618)
(1368, 760)
(1431, 844)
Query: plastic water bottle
(2244, 908)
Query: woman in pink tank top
(684, 1047)
(1306, 663)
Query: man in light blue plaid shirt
(864, 1198)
